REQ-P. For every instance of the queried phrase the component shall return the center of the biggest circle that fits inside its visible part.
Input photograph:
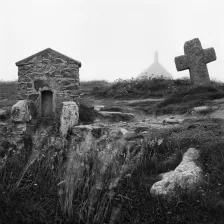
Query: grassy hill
(8, 93)
(141, 88)
(179, 95)
(8, 90)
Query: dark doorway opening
(46, 104)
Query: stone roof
(21, 62)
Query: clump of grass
(133, 88)
(28, 190)
(179, 95)
(80, 190)
(182, 100)
(204, 205)
(93, 173)
(87, 114)
(87, 86)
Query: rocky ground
(134, 119)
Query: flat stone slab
(98, 107)
(202, 109)
(81, 131)
(172, 121)
(130, 102)
(117, 116)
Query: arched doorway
(46, 103)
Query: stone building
(48, 78)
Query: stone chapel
(48, 78)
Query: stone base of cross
(195, 59)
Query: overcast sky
(112, 38)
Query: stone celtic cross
(195, 59)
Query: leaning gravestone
(195, 59)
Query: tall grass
(92, 175)
(82, 187)
(106, 181)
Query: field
(8, 94)
(109, 181)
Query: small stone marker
(195, 59)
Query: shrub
(182, 100)
(87, 114)
(133, 88)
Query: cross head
(195, 59)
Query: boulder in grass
(186, 176)
(202, 110)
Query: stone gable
(48, 78)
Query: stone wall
(49, 70)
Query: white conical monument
(156, 57)
(156, 70)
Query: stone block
(39, 83)
(116, 116)
(33, 97)
(81, 131)
(23, 111)
(72, 87)
(69, 117)
(187, 176)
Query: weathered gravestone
(195, 59)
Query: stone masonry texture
(52, 71)
(195, 59)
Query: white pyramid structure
(155, 70)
